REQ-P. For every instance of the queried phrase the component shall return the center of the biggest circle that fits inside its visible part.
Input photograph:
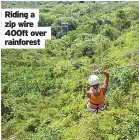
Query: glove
(98, 71)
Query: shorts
(96, 110)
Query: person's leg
(102, 108)
(91, 109)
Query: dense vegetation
(44, 91)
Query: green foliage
(44, 91)
(111, 32)
(124, 78)
(44, 20)
(91, 27)
(120, 14)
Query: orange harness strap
(97, 106)
(97, 102)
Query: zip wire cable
(83, 130)
(122, 56)
(115, 68)
(123, 66)
(117, 58)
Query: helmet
(93, 80)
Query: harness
(96, 106)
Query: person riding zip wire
(96, 93)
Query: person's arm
(88, 94)
(106, 80)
